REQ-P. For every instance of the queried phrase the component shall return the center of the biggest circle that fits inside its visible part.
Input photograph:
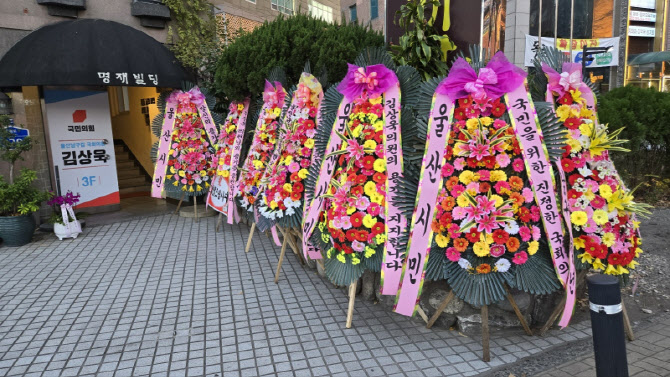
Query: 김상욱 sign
(82, 151)
(610, 58)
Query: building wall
(131, 127)
(363, 13)
(516, 27)
(27, 15)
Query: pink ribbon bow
(499, 77)
(185, 98)
(273, 95)
(569, 79)
(373, 79)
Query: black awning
(90, 52)
(649, 57)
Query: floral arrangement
(262, 147)
(190, 164)
(602, 210)
(69, 199)
(354, 216)
(222, 157)
(284, 193)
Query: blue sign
(579, 56)
(18, 132)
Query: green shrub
(289, 42)
(645, 114)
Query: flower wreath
(602, 209)
(262, 146)
(282, 198)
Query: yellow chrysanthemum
(498, 175)
(370, 188)
(355, 260)
(533, 246)
(273, 204)
(487, 121)
(462, 201)
(340, 257)
(441, 240)
(563, 112)
(351, 210)
(472, 124)
(356, 132)
(608, 239)
(481, 249)
(369, 221)
(376, 100)
(302, 173)
(378, 125)
(579, 218)
(224, 173)
(377, 198)
(499, 200)
(277, 111)
(600, 217)
(380, 239)
(309, 143)
(466, 177)
(380, 165)
(605, 191)
(369, 252)
(370, 144)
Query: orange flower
(461, 244)
(518, 198)
(516, 183)
(484, 268)
(448, 203)
(435, 227)
(451, 182)
(513, 244)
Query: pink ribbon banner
(164, 142)
(326, 172)
(430, 182)
(395, 221)
(526, 126)
(308, 249)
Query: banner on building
(82, 147)
(608, 59)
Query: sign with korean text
(18, 133)
(641, 31)
(638, 15)
(607, 59)
(82, 148)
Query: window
(123, 104)
(374, 9)
(284, 6)
(352, 13)
(321, 11)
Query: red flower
(295, 196)
(465, 102)
(615, 259)
(574, 194)
(368, 162)
(379, 177)
(298, 187)
(524, 214)
(572, 123)
(566, 99)
(357, 219)
(357, 190)
(500, 236)
(472, 235)
(347, 249)
(498, 108)
(459, 114)
(362, 235)
(351, 235)
(378, 228)
(567, 165)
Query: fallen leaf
(648, 311)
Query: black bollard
(609, 343)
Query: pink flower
(304, 163)
(498, 124)
(484, 175)
(355, 149)
(358, 246)
(374, 209)
(453, 230)
(485, 204)
(520, 257)
(524, 233)
(447, 170)
(453, 254)
(486, 224)
(598, 202)
(501, 185)
(294, 167)
(497, 250)
(459, 163)
(362, 203)
(536, 233)
(479, 151)
(457, 190)
(310, 133)
(518, 165)
(458, 213)
(527, 194)
(502, 159)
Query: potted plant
(18, 197)
(63, 217)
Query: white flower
(585, 171)
(511, 227)
(464, 264)
(502, 265)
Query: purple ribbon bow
(273, 94)
(564, 82)
(373, 79)
(499, 77)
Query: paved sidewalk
(648, 355)
(167, 296)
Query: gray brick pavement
(167, 296)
